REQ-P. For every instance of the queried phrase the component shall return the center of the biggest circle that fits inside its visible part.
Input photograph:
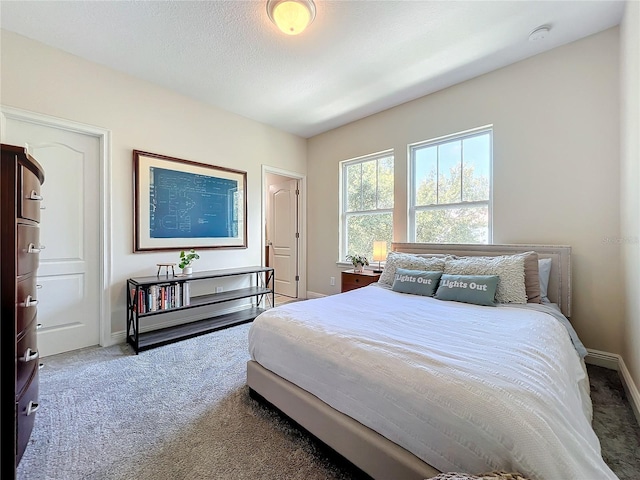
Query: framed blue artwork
(181, 204)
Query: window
(450, 183)
(367, 203)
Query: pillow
(531, 277)
(544, 265)
(476, 289)
(411, 262)
(416, 282)
(510, 269)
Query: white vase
(187, 270)
(358, 268)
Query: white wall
(145, 117)
(556, 168)
(630, 182)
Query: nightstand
(352, 280)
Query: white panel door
(68, 274)
(284, 236)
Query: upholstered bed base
(366, 449)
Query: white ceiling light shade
(291, 16)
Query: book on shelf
(141, 302)
(178, 295)
(152, 295)
(186, 294)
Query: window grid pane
(363, 229)
(425, 174)
(449, 172)
(385, 183)
(354, 187)
(453, 225)
(476, 163)
(369, 185)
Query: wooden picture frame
(181, 204)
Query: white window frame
(343, 197)
(411, 201)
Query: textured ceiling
(357, 58)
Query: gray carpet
(615, 423)
(183, 411)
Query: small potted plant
(358, 261)
(186, 259)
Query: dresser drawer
(351, 280)
(26, 302)
(28, 250)
(26, 413)
(27, 356)
(29, 199)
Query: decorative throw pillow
(476, 289)
(416, 282)
(531, 277)
(544, 265)
(412, 262)
(510, 269)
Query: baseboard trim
(631, 389)
(315, 295)
(603, 359)
(117, 337)
(616, 362)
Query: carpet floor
(183, 411)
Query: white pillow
(410, 262)
(544, 272)
(510, 269)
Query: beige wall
(146, 117)
(630, 182)
(556, 168)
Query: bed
(406, 386)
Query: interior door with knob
(284, 236)
(69, 269)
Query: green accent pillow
(416, 282)
(476, 289)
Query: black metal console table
(162, 294)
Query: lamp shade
(291, 16)
(379, 251)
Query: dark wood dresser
(20, 180)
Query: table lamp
(379, 253)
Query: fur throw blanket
(482, 476)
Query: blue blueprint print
(187, 205)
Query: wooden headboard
(559, 290)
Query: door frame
(104, 234)
(302, 222)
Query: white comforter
(463, 387)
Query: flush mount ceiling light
(291, 16)
(539, 33)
